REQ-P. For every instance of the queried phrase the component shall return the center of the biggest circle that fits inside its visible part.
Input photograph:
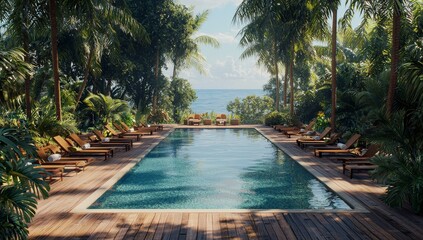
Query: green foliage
(251, 109)
(321, 122)
(20, 183)
(182, 96)
(105, 108)
(275, 118)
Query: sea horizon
(216, 100)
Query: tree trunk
(55, 59)
(291, 76)
(174, 70)
(285, 84)
(333, 68)
(86, 74)
(276, 78)
(156, 74)
(109, 87)
(394, 60)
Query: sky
(225, 69)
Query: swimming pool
(218, 169)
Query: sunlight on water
(218, 169)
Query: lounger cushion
(106, 139)
(54, 157)
(86, 146)
(316, 138)
(302, 130)
(342, 146)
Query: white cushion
(54, 157)
(86, 146)
(316, 138)
(106, 139)
(131, 130)
(302, 130)
(363, 151)
(28, 164)
(342, 146)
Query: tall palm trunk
(291, 83)
(396, 27)
(333, 67)
(276, 77)
(86, 74)
(285, 85)
(55, 58)
(175, 67)
(156, 75)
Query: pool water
(218, 169)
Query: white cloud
(222, 37)
(201, 5)
(229, 73)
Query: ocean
(216, 100)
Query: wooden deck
(54, 219)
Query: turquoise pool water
(218, 169)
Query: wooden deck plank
(192, 226)
(54, 219)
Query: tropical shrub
(275, 118)
(251, 109)
(105, 109)
(182, 96)
(20, 183)
(321, 122)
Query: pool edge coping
(83, 207)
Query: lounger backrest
(53, 148)
(352, 140)
(124, 126)
(98, 134)
(197, 116)
(77, 139)
(334, 138)
(371, 150)
(62, 143)
(118, 127)
(111, 130)
(41, 153)
(310, 126)
(222, 116)
(325, 132)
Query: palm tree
(264, 26)
(97, 29)
(384, 8)
(187, 54)
(55, 58)
(20, 183)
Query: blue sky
(224, 68)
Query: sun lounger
(318, 144)
(81, 143)
(316, 138)
(80, 152)
(158, 126)
(123, 134)
(74, 162)
(194, 119)
(52, 171)
(337, 150)
(221, 119)
(122, 130)
(364, 166)
(126, 141)
(307, 128)
(150, 130)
